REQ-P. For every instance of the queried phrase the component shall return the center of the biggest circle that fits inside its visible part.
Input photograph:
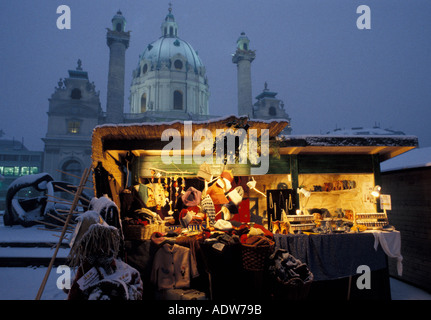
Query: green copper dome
(169, 51)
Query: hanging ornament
(177, 188)
(152, 176)
(183, 185)
(159, 194)
(166, 186)
(170, 212)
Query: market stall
(204, 219)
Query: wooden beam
(73, 193)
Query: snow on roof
(416, 158)
(155, 130)
(376, 130)
(351, 140)
(209, 121)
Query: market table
(337, 256)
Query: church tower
(117, 40)
(268, 107)
(243, 58)
(74, 110)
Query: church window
(73, 126)
(76, 94)
(144, 69)
(144, 102)
(245, 46)
(178, 100)
(272, 111)
(171, 31)
(119, 27)
(178, 64)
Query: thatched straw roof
(119, 135)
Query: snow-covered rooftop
(376, 130)
(416, 158)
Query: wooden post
(377, 177)
(294, 173)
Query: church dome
(170, 77)
(169, 51)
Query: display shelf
(355, 190)
(372, 215)
(302, 226)
(300, 218)
(373, 220)
(301, 222)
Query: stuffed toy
(218, 189)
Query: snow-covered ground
(22, 283)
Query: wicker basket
(141, 232)
(255, 254)
(294, 289)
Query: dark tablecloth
(334, 256)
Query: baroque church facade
(169, 83)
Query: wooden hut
(408, 180)
(334, 172)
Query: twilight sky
(328, 72)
